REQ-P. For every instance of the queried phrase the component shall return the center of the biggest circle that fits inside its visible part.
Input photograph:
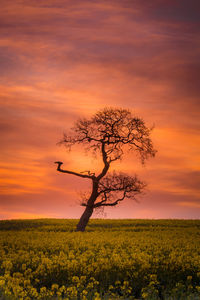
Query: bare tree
(109, 133)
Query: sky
(61, 60)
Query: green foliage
(114, 259)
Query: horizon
(105, 219)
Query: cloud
(189, 204)
(64, 60)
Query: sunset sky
(65, 59)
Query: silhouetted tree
(108, 133)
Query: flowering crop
(114, 259)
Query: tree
(109, 133)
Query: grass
(113, 259)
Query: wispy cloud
(189, 204)
(62, 60)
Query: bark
(89, 207)
(84, 219)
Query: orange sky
(61, 60)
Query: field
(113, 259)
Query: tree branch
(101, 203)
(71, 172)
(106, 163)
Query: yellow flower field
(113, 259)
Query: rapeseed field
(113, 259)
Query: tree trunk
(89, 208)
(84, 219)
